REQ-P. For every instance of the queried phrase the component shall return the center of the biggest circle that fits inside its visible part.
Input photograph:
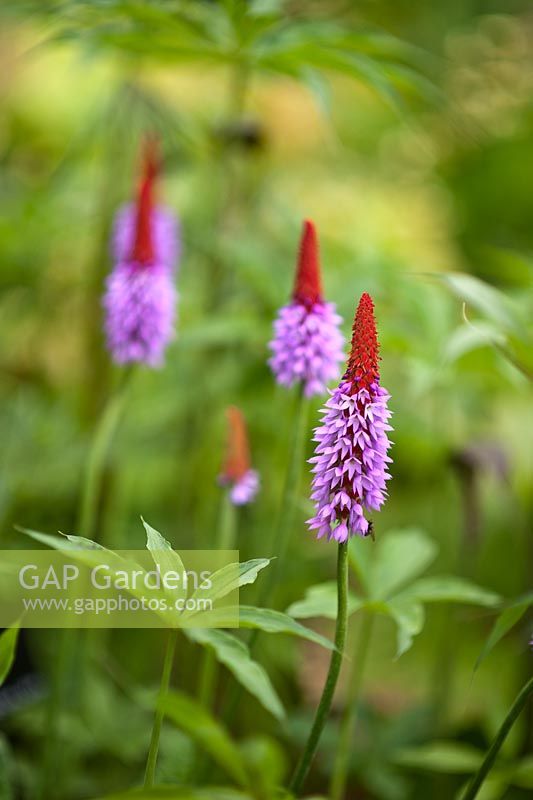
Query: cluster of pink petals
(350, 461)
(307, 347)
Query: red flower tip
(308, 286)
(143, 246)
(237, 462)
(363, 368)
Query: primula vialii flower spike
(351, 461)
(236, 471)
(307, 347)
(140, 298)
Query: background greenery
(405, 131)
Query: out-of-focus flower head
(140, 297)
(351, 456)
(236, 473)
(307, 347)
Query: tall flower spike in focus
(307, 346)
(236, 471)
(140, 298)
(350, 461)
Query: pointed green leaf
(506, 620)
(446, 757)
(63, 542)
(484, 298)
(321, 601)
(232, 577)
(449, 589)
(235, 655)
(409, 617)
(165, 557)
(270, 621)
(400, 556)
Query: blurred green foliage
(404, 129)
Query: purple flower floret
(307, 347)
(140, 298)
(351, 457)
(244, 490)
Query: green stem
(226, 535)
(355, 681)
(71, 650)
(153, 750)
(514, 712)
(227, 528)
(92, 487)
(333, 674)
(289, 499)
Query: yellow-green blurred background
(405, 131)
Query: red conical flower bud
(143, 246)
(237, 461)
(363, 368)
(308, 286)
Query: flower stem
(71, 650)
(514, 712)
(287, 510)
(92, 487)
(334, 669)
(355, 681)
(226, 535)
(153, 750)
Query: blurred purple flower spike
(140, 298)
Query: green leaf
(484, 298)
(449, 589)
(235, 655)
(8, 646)
(270, 621)
(63, 542)
(409, 617)
(471, 337)
(209, 734)
(86, 552)
(232, 577)
(522, 774)
(400, 556)
(321, 601)
(504, 622)
(446, 757)
(179, 793)
(165, 557)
